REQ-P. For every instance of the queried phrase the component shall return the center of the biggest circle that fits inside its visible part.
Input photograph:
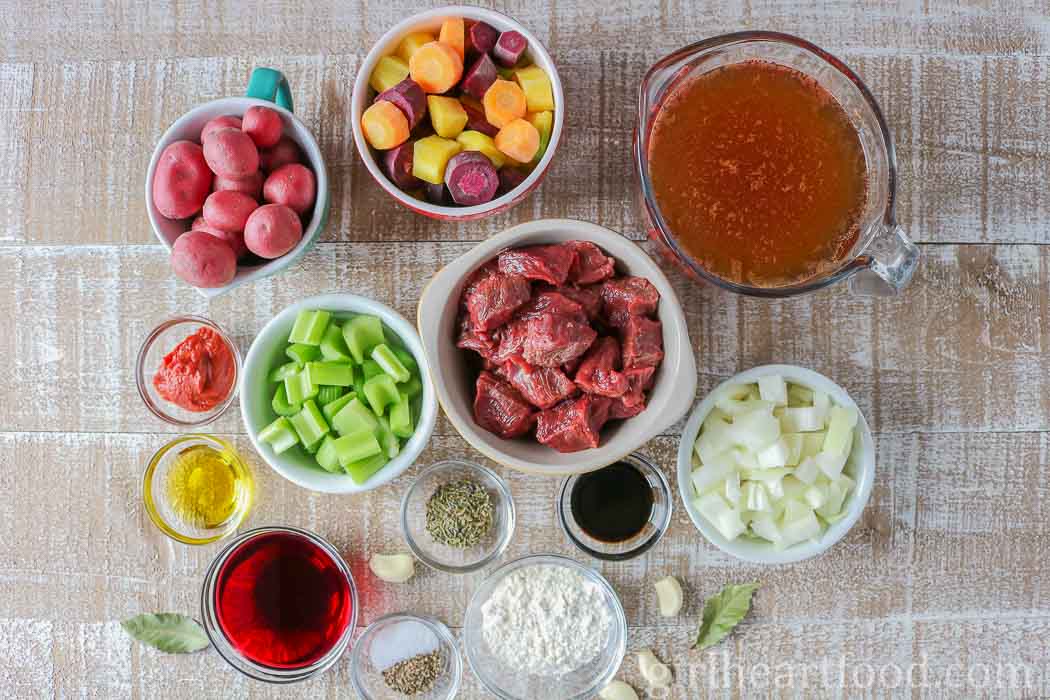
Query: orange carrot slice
(518, 139)
(385, 125)
(453, 33)
(436, 67)
(504, 102)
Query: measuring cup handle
(887, 265)
(271, 85)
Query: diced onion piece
(726, 520)
(803, 527)
(711, 475)
(793, 488)
(793, 441)
(732, 489)
(807, 471)
(816, 495)
(831, 464)
(840, 430)
(801, 420)
(812, 444)
(774, 389)
(754, 430)
(738, 391)
(765, 526)
(775, 487)
(776, 455)
(715, 439)
(822, 402)
(756, 498)
(735, 407)
(745, 459)
(799, 395)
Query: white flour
(546, 620)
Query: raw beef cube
(470, 338)
(548, 302)
(511, 340)
(598, 372)
(627, 296)
(573, 424)
(592, 265)
(587, 297)
(548, 263)
(487, 270)
(554, 339)
(500, 409)
(643, 342)
(639, 380)
(571, 366)
(619, 410)
(541, 386)
(495, 298)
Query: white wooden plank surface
(945, 575)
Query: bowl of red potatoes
(237, 190)
(457, 112)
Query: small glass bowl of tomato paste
(187, 371)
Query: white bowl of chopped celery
(335, 394)
(776, 464)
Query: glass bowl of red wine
(617, 512)
(279, 604)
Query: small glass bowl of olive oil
(197, 489)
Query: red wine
(282, 601)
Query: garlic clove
(618, 690)
(669, 596)
(654, 672)
(393, 568)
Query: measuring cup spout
(887, 264)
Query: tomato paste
(197, 375)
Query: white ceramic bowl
(267, 352)
(363, 94)
(188, 127)
(860, 467)
(670, 398)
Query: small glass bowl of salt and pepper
(403, 655)
(618, 512)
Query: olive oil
(204, 486)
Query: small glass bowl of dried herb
(457, 516)
(406, 656)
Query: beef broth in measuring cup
(759, 174)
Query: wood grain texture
(943, 581)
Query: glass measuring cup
(883, 259)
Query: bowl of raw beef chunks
(557, 347)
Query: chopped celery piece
(354, 417)
(333, 347)
(281, 405)
(309, 327)
(330, 373)
(299, 387)
(356, 446)
(330, 409)
(312, 448)
(406, 359)
(401, 417)
(371, 368)
(326, 456)
(362, 470)
(381, 392)
(326, 394)
(309, 423)
(387, 439)
(285, 370)
(412, 388)
(362, 333)
(302, 353)
(387, 360)
(280, 435)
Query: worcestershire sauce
(612, 504)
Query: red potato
(203, 260)
(226, 121)
(292, 185)
(231, 153)
(481, 38)
(272, 230)
(181, 181)
(509, 48)
(286, 151)
(409, 98)
(235, 239)
(251, 185)
(397, 162)
(228, 210)
(479, 77)
(471, 179)
(263, 125)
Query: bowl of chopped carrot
(457, 112)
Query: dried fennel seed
(414, 675)
(460, 513)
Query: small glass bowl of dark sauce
(617, 512)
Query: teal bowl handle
(270, 85)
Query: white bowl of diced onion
(776, 464)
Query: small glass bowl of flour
(545, 626)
